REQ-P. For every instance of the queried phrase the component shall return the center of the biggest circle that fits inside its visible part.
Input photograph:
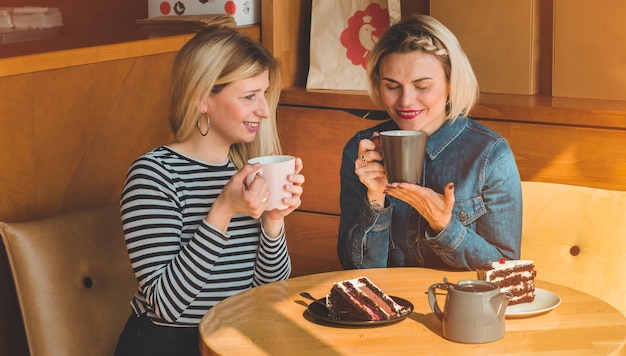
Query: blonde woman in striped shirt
(195, 232)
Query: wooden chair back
(577, 237)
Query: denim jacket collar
(439, 140)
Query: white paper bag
(342, 35)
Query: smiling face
(237, 110)
(414, 90)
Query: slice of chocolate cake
(516, 277)
(361, 299)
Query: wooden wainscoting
(318, 137)
(69, 135)
(312, 242)
(584, 156)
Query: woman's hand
(434, 207)
(369, 169)
(237, 197)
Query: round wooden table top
(273, 320)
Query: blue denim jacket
(486, 220)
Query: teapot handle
(432, 299)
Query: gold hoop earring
(208, 124)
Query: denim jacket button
(463, 216)
(415, 237)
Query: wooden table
(272, 320)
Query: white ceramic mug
(274, 170)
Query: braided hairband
(426, 42)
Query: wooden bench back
(576, 236)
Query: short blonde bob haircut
(424, 33)
(212, 59)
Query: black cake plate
(319, 312)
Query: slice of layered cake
(361, 299)
(516, 277)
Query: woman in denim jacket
(467, 209)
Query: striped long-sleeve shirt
(183, 265)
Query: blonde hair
(212, 59)
(425, 33)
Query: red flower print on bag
(363, 31)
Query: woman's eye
(421, 87)
(250, 97)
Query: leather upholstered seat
(73, 280)
(577, 237)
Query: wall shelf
(506, 107)
(68, 51)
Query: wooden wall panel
(318, 137)
(73, 104)
(280, 18)
(74, 134)
(122, 114)
(17, 152)
(592, 157)
(312, 242)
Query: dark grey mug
(403, 154)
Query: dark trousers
(141, 337)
